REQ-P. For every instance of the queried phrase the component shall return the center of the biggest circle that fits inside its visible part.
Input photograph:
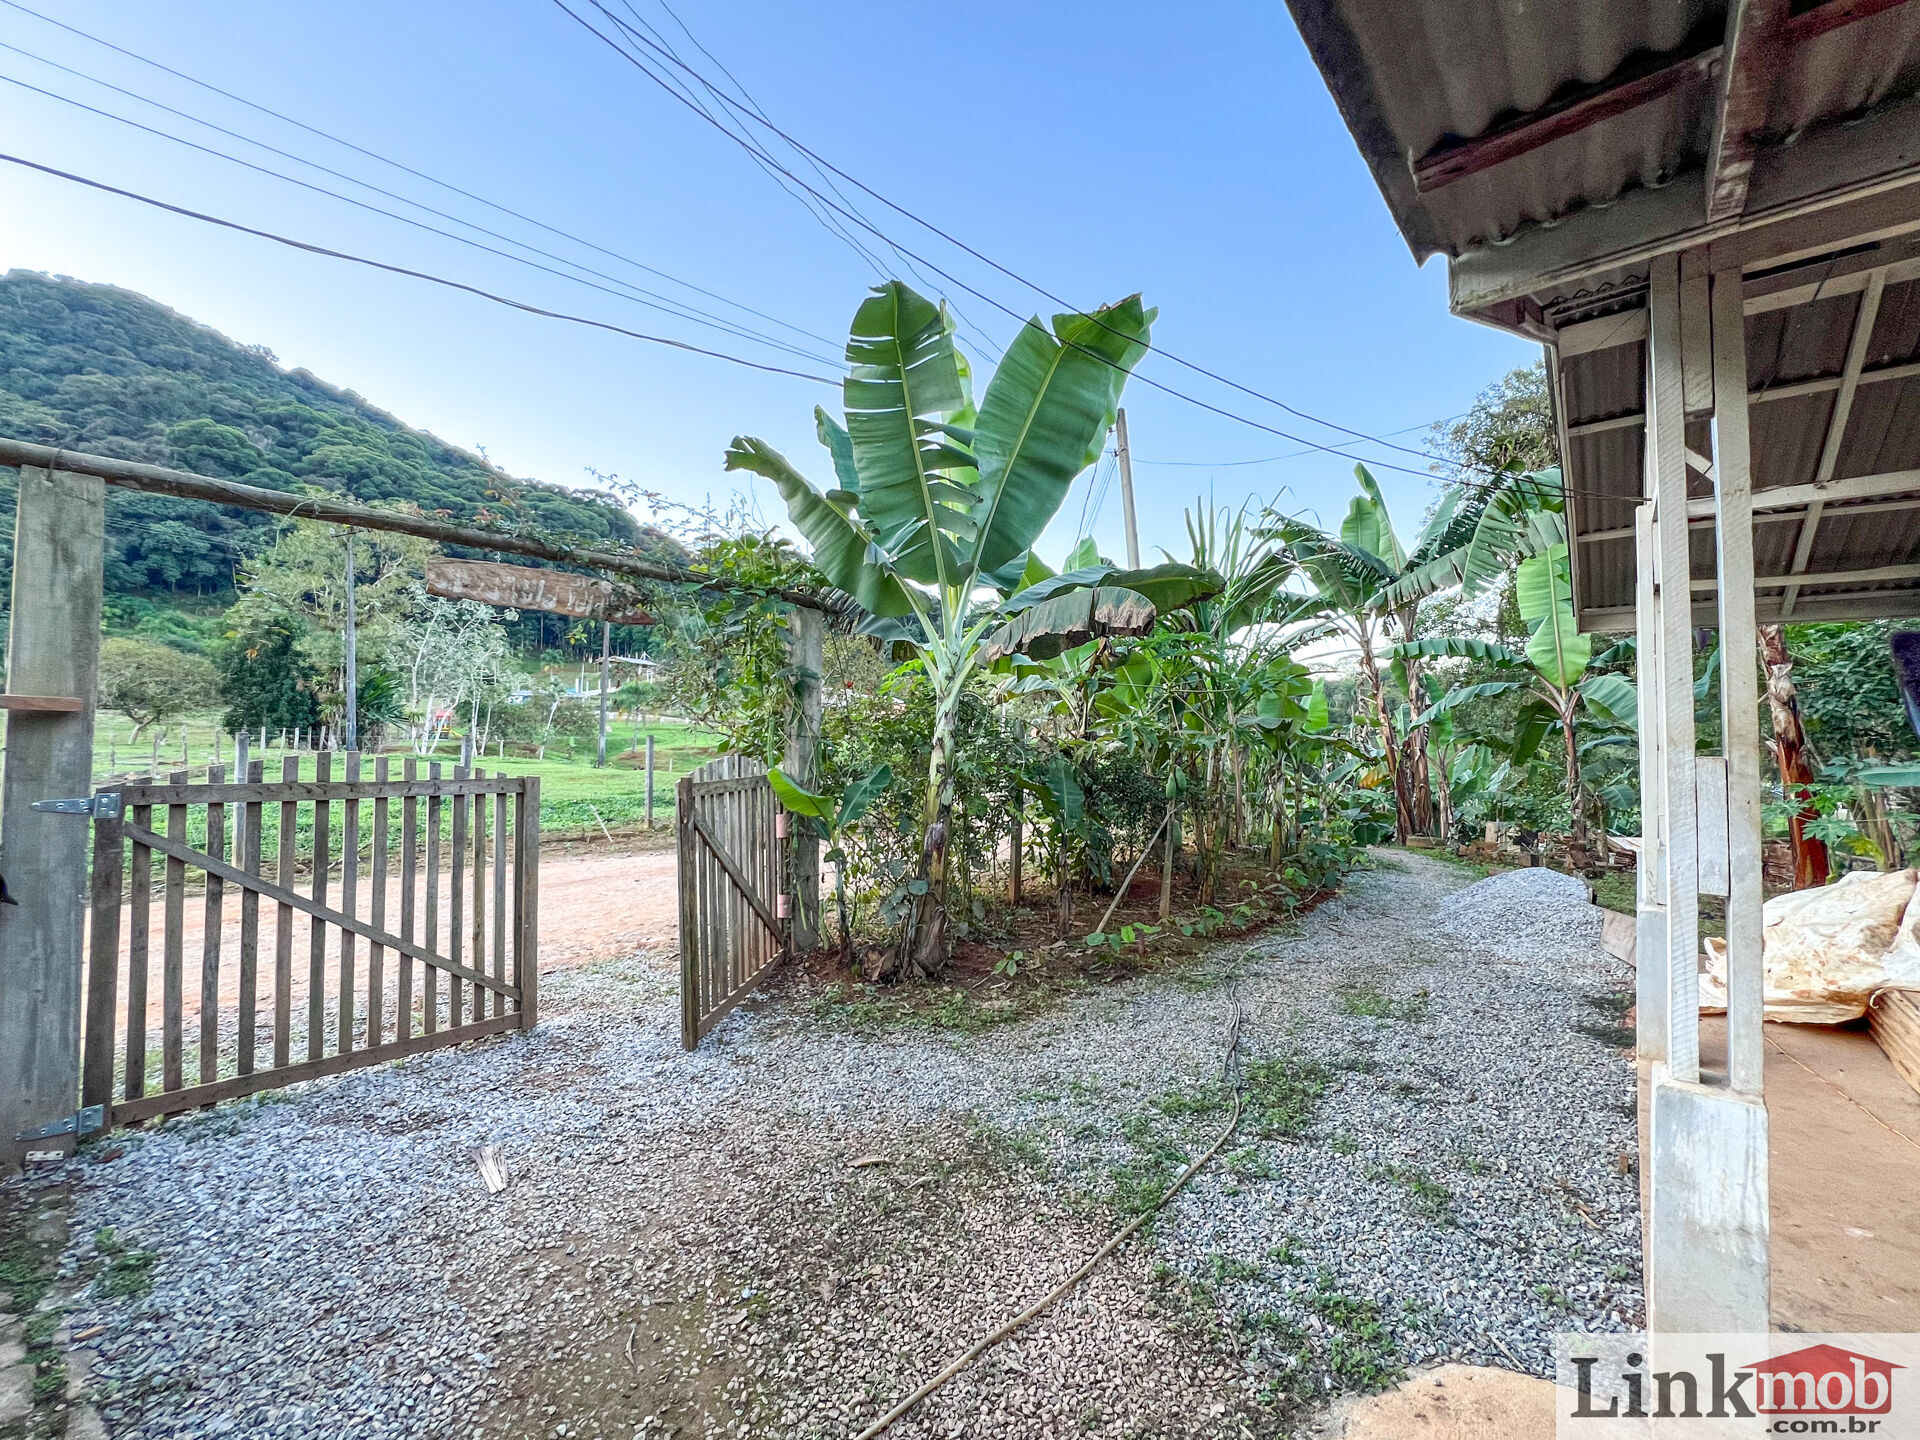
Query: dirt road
(593, 906)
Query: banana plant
(1357, 580)
(834, 819)
(939, 503)
(1558, 688)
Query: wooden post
(1017, 840)
(1126, 488)
(649, 782)
(606, 653)
(526, 900)
(1166, 867)
(352, 677)
(53, 648)
(806, 632)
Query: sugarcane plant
(939, 503)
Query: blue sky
(1190, 152)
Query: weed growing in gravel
(1430, 1197)
(1353, 1348)
(1221, 1268)
(1247, 1163)
(1370, 1002)
(1342, 1143)
(1361, 1353)
(127, 1272)
(1358, 1063)
(1552, 1298)
(1285, 1254)
(1281, 1096)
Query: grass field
(575, 797)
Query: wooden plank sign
(520, 587)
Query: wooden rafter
(1762, 34)
(1863, 323)
(1640, 80)
(1832, 15)
(1756, 39)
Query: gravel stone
(686, 1248)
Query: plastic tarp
(1828, 949)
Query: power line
(763, 157)
(979, 294)
(984, 259)
(661, 303)
(1293, 454)
(410, 170)
(313, 249)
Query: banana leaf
(1368, 525)
(1055, 626)
(904, 382)
(1170, 586)
(1464, 693)
(1612, 697)
(1536, 722)
(1459, 647)
(841, 550)
(1557, 649)
(1044, 417)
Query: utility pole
(1126, 489)
(606, 651)
(353, 663)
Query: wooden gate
(404, 918)
(732, 905)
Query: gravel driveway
(1435, 1161)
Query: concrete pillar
(53, 648)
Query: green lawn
(571, 790)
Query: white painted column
(1707, 1261)
(1667, 467)
(1739, 688)
(1650, 931)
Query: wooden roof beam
(1756, 41)
(1863, 323)
(1638, 81)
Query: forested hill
(95, 368)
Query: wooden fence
(416, 927)
(732, 901)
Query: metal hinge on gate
(84, 1121)
(105, 806)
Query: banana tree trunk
(1576, 792)
(925, 952)
(1792, 757)
(1389, 745)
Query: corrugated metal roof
(1807, 342)
(1408, 74)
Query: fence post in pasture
(242, 745)
(649, 783)
(53, 649)
(806, 635)
(155, 764)
(466, 750)
(606, 652)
